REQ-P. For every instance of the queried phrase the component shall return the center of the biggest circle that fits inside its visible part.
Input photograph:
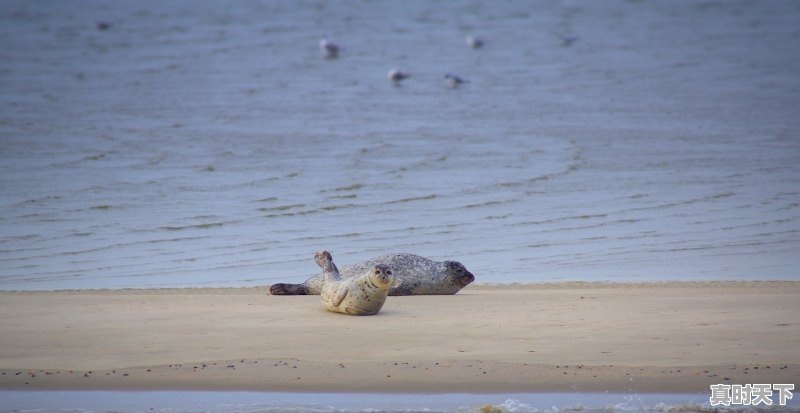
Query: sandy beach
(651, 337)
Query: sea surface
(203, 143)
(252, 402)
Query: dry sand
(662, 337)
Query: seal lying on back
(412, 275)
(359, 295)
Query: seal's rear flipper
(288, 289)
(325, 261)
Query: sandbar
(667, 337)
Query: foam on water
(194, 143)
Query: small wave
(334, 207)
(719, 246)
(89, 158)
(721, 195)
(193, 226)
(309, 211)
(682, 203)
(155, 160)
(542, 245)
(485, 204)
(561, 219)
(26, 237)
(108, 247)
(348, 196)
(95, 157)
(11, 251)
(353, 187)
(410, 199)
(40, 201)
(281, 207)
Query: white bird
(329, 49)
(454, 81)
(474, 42)
(397, 76)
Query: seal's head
(458, 273)
(381, 275)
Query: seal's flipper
(325, 261)
(340, 295)
(288, 289)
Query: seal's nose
(383, 275)
(466, 278)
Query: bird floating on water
(567, 41)
(474, 42)
(454, 81)
(397, 76)
(329, 49)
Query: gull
(474, 42)
(454, 81)
(329, 49)
(397, 76)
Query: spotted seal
(359, 295)
(412, 275)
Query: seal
(412, 275)
(364, 295)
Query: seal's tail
(288, 289)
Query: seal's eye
(459, 270)
(377, 271)
(388, 273)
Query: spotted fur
(412, 275)
(362, 295)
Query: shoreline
(571, 284)
(664, 337)
(348, 402)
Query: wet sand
(659, 337)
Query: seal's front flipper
(288, 289)
(340, 295)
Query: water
(201, 143)
(249, 402)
